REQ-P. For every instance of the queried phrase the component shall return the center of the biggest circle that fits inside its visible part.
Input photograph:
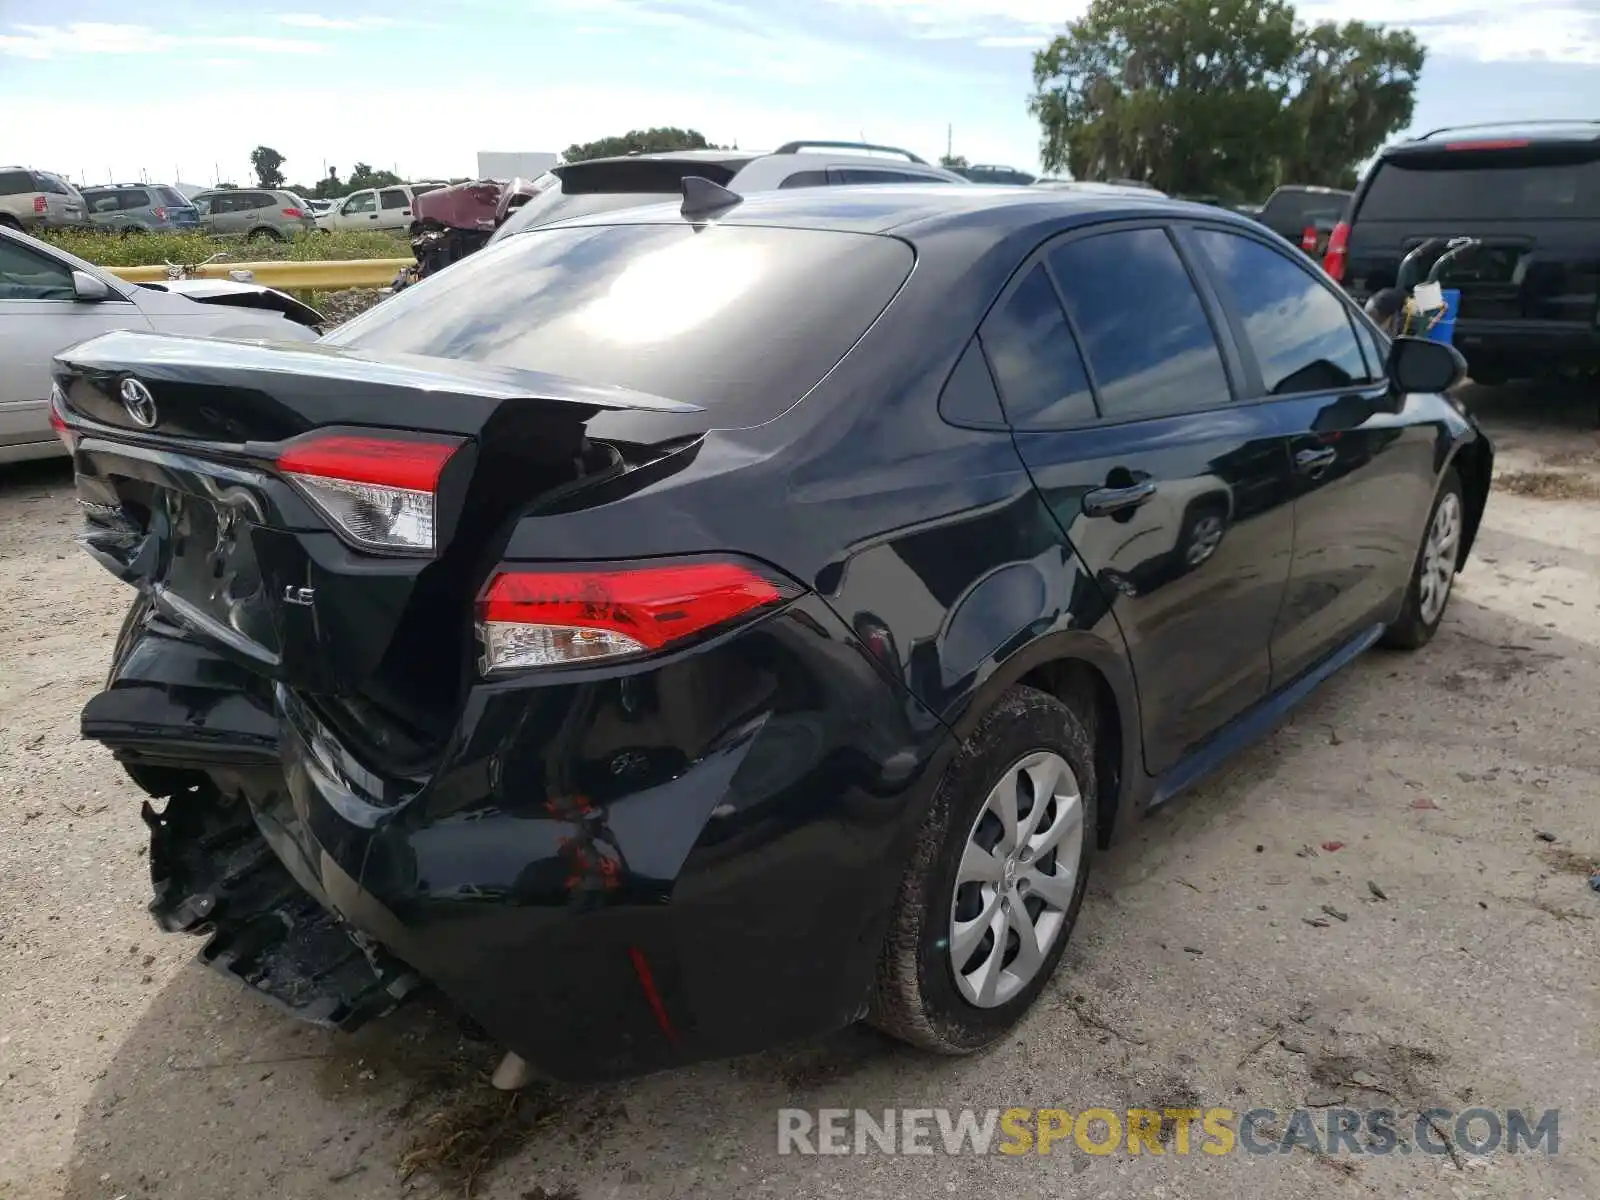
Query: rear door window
(15, 183)
(393, 198)
(171, 197)
(131, 198)
(1462, 186)
(738, 319)
(1299, 331)
(1035, 362)
(1149, 343)
(846, 175)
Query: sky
(107, 90)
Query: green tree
(363, 176)
(1224, 97)
(330, 187)
(951, 162)
(1356, 85)
(268, 164)
(642, 141)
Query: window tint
(729, 317)
(1034, 359)
(132, 198)
(53, 184)
(969, 397)
(1300, 332)
(25, 275)
(254, 200)
(394, 198)
(14, 183)
(1374, 346)
(171, 197)
(1450, 189)
(806, 179)
(101, 202)
(1145, 333)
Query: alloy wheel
(1439, 553)
(1018, 872)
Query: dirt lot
(1195, 978)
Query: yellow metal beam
(294, 276)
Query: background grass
(152, 249)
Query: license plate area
(207, 570)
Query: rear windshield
(729, 317)
(1458, 187)
(555, 205)
(171, 197)
(1302, 206)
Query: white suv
(602, 184)
(387, 208)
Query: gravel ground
(1196, 977)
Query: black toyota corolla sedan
(697, 627)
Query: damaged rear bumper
(610, 875)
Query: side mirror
(1420, 365)
(87, 288)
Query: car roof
(911, 208)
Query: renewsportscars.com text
(1213, 1131)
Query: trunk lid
(178, 449)
(1535, 206)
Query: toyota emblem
(141, 405)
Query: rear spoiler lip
(178, 358)
(1560, 150)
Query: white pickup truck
(376, 208)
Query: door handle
(1103, 502)
(1309, 462)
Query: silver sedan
(50, 300)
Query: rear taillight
(1338, 246)
(58, 419)
(161, 214)
(1308, 238)
(541, 617)
(293, 212)
(381, 491)
(39, 204)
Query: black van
(1531, 191)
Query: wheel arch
(1092, 678)
(1474, 463)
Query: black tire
(265, 234)
(1413, 630)
(916, 998)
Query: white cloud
(90, 37)
(1025, 41)
(1484, 30)
(341, 24)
